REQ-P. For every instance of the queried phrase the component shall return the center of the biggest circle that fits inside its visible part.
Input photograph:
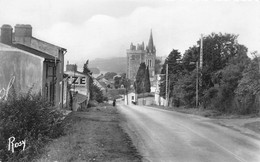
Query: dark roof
(34, 51)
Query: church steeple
(150, 48)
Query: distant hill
(115, 64)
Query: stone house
(33, 63)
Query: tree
(147, 81)
(142, 82)
(125, 82)
(95, 92)
(185, 89)
(248, 90)
(217, 51)
(86, 69)
(190, 56)
(175, 69)
(117, 82)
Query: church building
(138, 54)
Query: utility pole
(201, 52)
(166, 87)
(143, 92)
(197, 84)
(126, 90)
(199, 70)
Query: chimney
(6, 34)
(71, 67)
(22, 30)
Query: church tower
(138, 54)
(150, 55)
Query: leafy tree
(117, 82)
(221, 96)
(95, 92)
(125, 82)
(175, 69)
(223, 62)
(188, 88)
(217, 51)
(190, 56)
(248, 90)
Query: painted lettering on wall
(12, 144)
(4, 92)
(78, 81)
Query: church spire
(150, 46)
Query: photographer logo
(12, 144)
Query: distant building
(157, 98)
(139, 54)
(27, 62)
(79, 86)
(130, 98)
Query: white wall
(131, 97)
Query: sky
(91, 29)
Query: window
(133, 97)
(50, 70)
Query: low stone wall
(146, 101)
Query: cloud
(95, 29)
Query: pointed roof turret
(150, 46)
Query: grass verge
(93, 136)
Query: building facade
(27, 62)
(78, 86)
(138, 54)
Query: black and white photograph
(130, 81)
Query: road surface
(162, 135)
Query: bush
(144, 95)
(28, 117)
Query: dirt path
(93, 136)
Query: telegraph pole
(197, 84)
(199, 69)
(166, 87)
(201, 51)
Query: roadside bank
(94, 135)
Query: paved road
(162, 135)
